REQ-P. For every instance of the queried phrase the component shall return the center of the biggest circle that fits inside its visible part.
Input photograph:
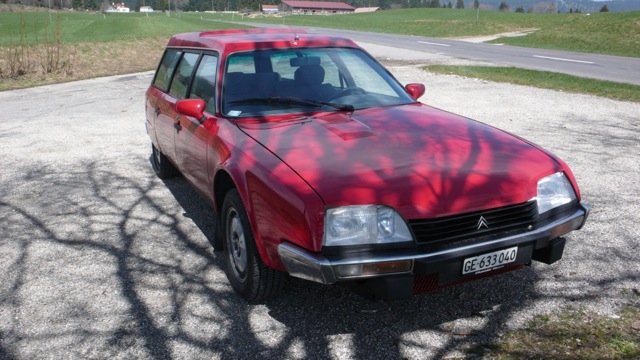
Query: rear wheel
(161, 165)
(246, 272)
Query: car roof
(232, 40)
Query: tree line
(223, 5)
(254, 5)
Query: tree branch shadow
(104, 264)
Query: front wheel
(246, 272)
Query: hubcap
(237, 245)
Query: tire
(217, 237)
(246, 272)
(161, 165)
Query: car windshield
(273, 82)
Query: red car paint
(289, 168)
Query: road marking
(561, 59)
(430, 43)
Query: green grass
(421, 22)
(606, 33)
(97, 27)
(574, 334)
(545, 80)
(603, 33)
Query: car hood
(422, 161)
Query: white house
(118, 7)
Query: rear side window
(166, 68)
(182, 77)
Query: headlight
(553, 191)
(367, 224)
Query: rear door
(160, 106)
(197, 135)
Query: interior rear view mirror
(303, 61)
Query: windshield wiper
(292, 101)
(341, 107)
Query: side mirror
(415, 90)
(191, 107)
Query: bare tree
(476, 5)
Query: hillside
(585, 6)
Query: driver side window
(204, 82)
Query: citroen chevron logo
(482, 223)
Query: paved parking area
(101, 259)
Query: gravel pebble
(101, 259)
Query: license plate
(489, 261)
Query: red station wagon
(321, 165)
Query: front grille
(453, 228)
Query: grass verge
(575, 334)
(598, 33)
(544, 80)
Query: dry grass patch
(87, 60)
(574, 334)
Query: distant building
(315, 7)
(366, 9)
(269, 9)
(118, 7)
(146, 9)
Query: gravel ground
(101, 259)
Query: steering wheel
(348, 91)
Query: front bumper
(316, 267)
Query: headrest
(309, 75)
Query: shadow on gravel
(98, 263)
(4, 353)
(313, 320)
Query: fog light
(345, 271)
(377, 268)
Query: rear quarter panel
(151, 101)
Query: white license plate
(489, 261)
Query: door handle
(157, 111)
(177, 126)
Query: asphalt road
(602, 67)
(101, 259)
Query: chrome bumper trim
(315, 267)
